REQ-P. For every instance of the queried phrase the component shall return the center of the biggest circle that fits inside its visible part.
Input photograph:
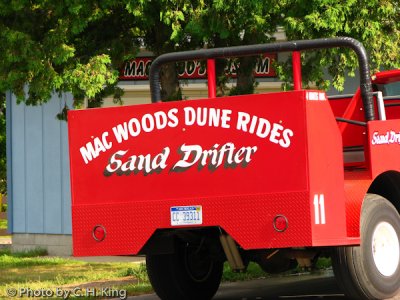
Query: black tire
(360, 271)
(189, 273)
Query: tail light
(99, 233)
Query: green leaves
(89, 79)
(374, 23)
(77, 45)
(47, 47)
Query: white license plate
(186, 215)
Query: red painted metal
(272, 170)
(296, 139)
(383, 142)
(385, 77)
(351, 109)
(211, 79)
(296, 65)
(357, 181)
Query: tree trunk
(170, 88)
(245, 76)
(222, 79)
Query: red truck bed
(243, 160)
(271, 178)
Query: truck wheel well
(387, 185)
(163, 240)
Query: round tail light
(280, 223)
(99, 233)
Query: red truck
(274, 178)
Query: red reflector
(280, 223)
(99, 233)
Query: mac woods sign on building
(138, 69)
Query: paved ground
(321, 286)
(303, 287)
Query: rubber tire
(354, 267)
(171, 278)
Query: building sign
(139, 68)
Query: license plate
(186, 215)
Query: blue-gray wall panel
(10, 216)
(39, 168)
(34, 183)
(65, 183)
(52, 161)
(18, 173)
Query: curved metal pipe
(203, 54)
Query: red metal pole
(212, 83)
(296, 65)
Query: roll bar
(237, 51)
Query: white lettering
(137, 163)
(226, 118)
(390, 137)
(121, 132)
(93, 150)
(88, 152)
(263, 128)
(173, 119)
(212, 117)
(115, 162)
(243, 120)
(134, 131)
(161, 120)
(194, 155)
(319, 209)
(285, 142)
(106, 144)
(148, 123)
(275, 132)
(190, 116)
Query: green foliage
(33, 271)
(7, 255)
(217, 23)
(62, 46)
(88, 80)
(3, 224)
(78, 46)
(140, 273)
(253, 271)
(323, 263)
(374, 23)
(162, 30)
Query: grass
(30, 271)
(253, 272)
(33, 270)
(323, 263)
